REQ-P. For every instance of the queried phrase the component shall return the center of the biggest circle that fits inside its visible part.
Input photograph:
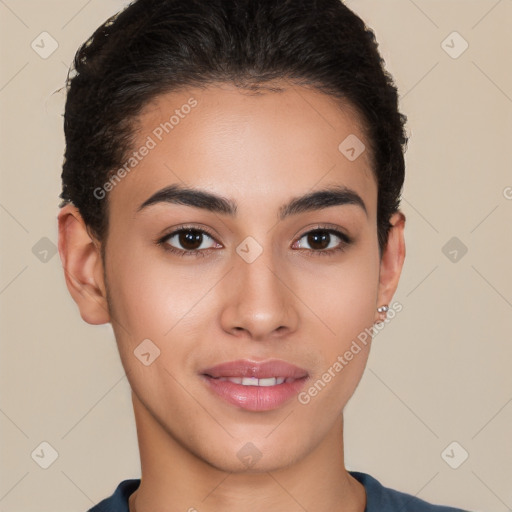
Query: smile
(255, 386)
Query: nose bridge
(259, 301)
(260, 276)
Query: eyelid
(185, 227)
(327, 227)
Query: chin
(233, 465)
(252, 456)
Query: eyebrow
(317, 200)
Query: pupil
(188, 238)
(319, 240)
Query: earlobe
(392, 260)
(83, 267)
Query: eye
(188, 241)
(192, 241)
(324, 241)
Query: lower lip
(255, 398)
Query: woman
(231, 195)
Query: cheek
(343, 295)
(343, 299)
(154, 314)
(151, 300)
(152, 294)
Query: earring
(383, 309)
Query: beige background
(438, 373)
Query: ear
(80, 255)
(391, 263)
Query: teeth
(253, 381)
(272, 381)
(249, 381)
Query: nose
(258, 299)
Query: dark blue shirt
(378, 498)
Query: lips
(255, 386)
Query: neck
(174, 479)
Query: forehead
(261, 148)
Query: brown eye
(319, 239)
(324, 241)
(188, 239)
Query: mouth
(255, 386)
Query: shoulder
(384, 499)
(118, 501)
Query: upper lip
(259, 370)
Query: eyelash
(345, 241)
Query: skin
(260, 151)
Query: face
(253, 284)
